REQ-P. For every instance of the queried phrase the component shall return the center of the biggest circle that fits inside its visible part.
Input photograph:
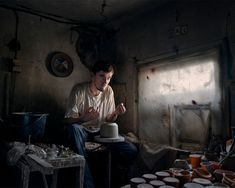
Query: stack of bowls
(229, 179)
(219, 173)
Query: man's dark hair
(102, 66)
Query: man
(91, 104)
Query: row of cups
(171, 177)
(176, 178)
(197, 162)
(140, 182)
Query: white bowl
(109, 130)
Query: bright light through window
(189, 78)
(165, 84)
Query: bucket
(29, 123)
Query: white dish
(109, 140)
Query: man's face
(101, 79)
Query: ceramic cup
(207, 166)
(136, 181)
(149, 177)
(195, 160)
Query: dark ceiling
(83, 11)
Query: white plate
(109, 140)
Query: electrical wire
(55, 18)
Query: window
(162, 85)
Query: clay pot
(180, 163)
(172, 181)
(192, 185)
(183, 176)
(229, 179)
(162, 174)
(215, 165)
(156, 183)
(218, 185)
(175, 170)
(166, 186)
(195, 160)
(202, 181)
(149, 177)
(144, 185)
(201, 173)
(207, 166)
(169, 171)
(218, 174)
(136, 181)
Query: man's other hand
(90, 114)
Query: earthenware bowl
(218, 174)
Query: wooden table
(30, 163)
(108, 142)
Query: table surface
(59, 162)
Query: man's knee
(74, 128)
(127, 149)
(133, 150)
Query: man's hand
(90, 114)
(121, 109)
(118, 111)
